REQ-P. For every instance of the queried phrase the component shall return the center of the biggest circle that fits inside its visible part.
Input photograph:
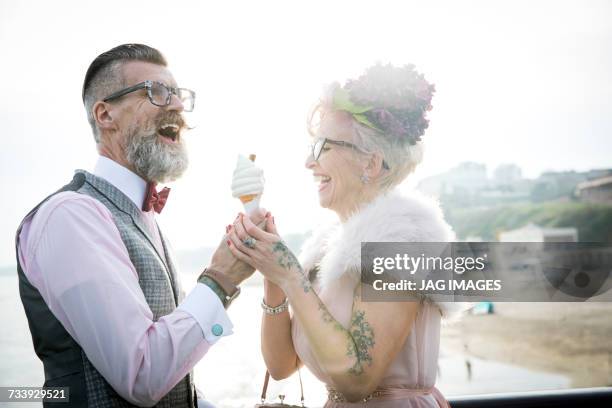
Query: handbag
(280, 404)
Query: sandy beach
(571, 339)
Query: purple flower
(400, 96)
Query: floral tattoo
(360, 338)
(328, 318)
(363, 336)
(287, 260)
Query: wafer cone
(247, 198)
(252, 205)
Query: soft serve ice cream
(248, 183)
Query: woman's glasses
(319, 144)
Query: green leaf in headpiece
(359, 117)
(342, 101)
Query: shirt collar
(129, 183)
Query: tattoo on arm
(287, 260)
(360, 337)
(363, 336)
(328, 318)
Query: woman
(367, 141)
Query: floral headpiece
(388, 99)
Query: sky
(524, 82)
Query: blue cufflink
(217, 329)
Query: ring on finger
(249, 242)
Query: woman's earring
(364, 178)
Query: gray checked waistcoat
(65, 363)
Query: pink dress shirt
(72, 242)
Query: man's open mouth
(170, 131)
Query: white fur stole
(391, 217)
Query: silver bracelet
(275, 310)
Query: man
(96, 279)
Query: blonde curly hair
(388, 107)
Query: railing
(581, 397)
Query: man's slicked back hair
(104, 75)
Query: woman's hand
(266, 252)
(223, 261)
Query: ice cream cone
(247, 198)
(252, 205)
(248, 183)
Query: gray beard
(153, 159)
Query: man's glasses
(319, 144)
(159, 94)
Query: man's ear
(102, 114)
(374, 166)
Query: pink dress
(335, 251)
(409, 380)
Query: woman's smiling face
(339, 168)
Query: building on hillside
(535, 233)
(507, 174)
(464, 179)
(556, 185)
(467, 185)
(598, 173)
(595, 191)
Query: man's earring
(364, 178)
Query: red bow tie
(155, 200)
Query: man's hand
(225, 262)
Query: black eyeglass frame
(323, 141)
(148, 85)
